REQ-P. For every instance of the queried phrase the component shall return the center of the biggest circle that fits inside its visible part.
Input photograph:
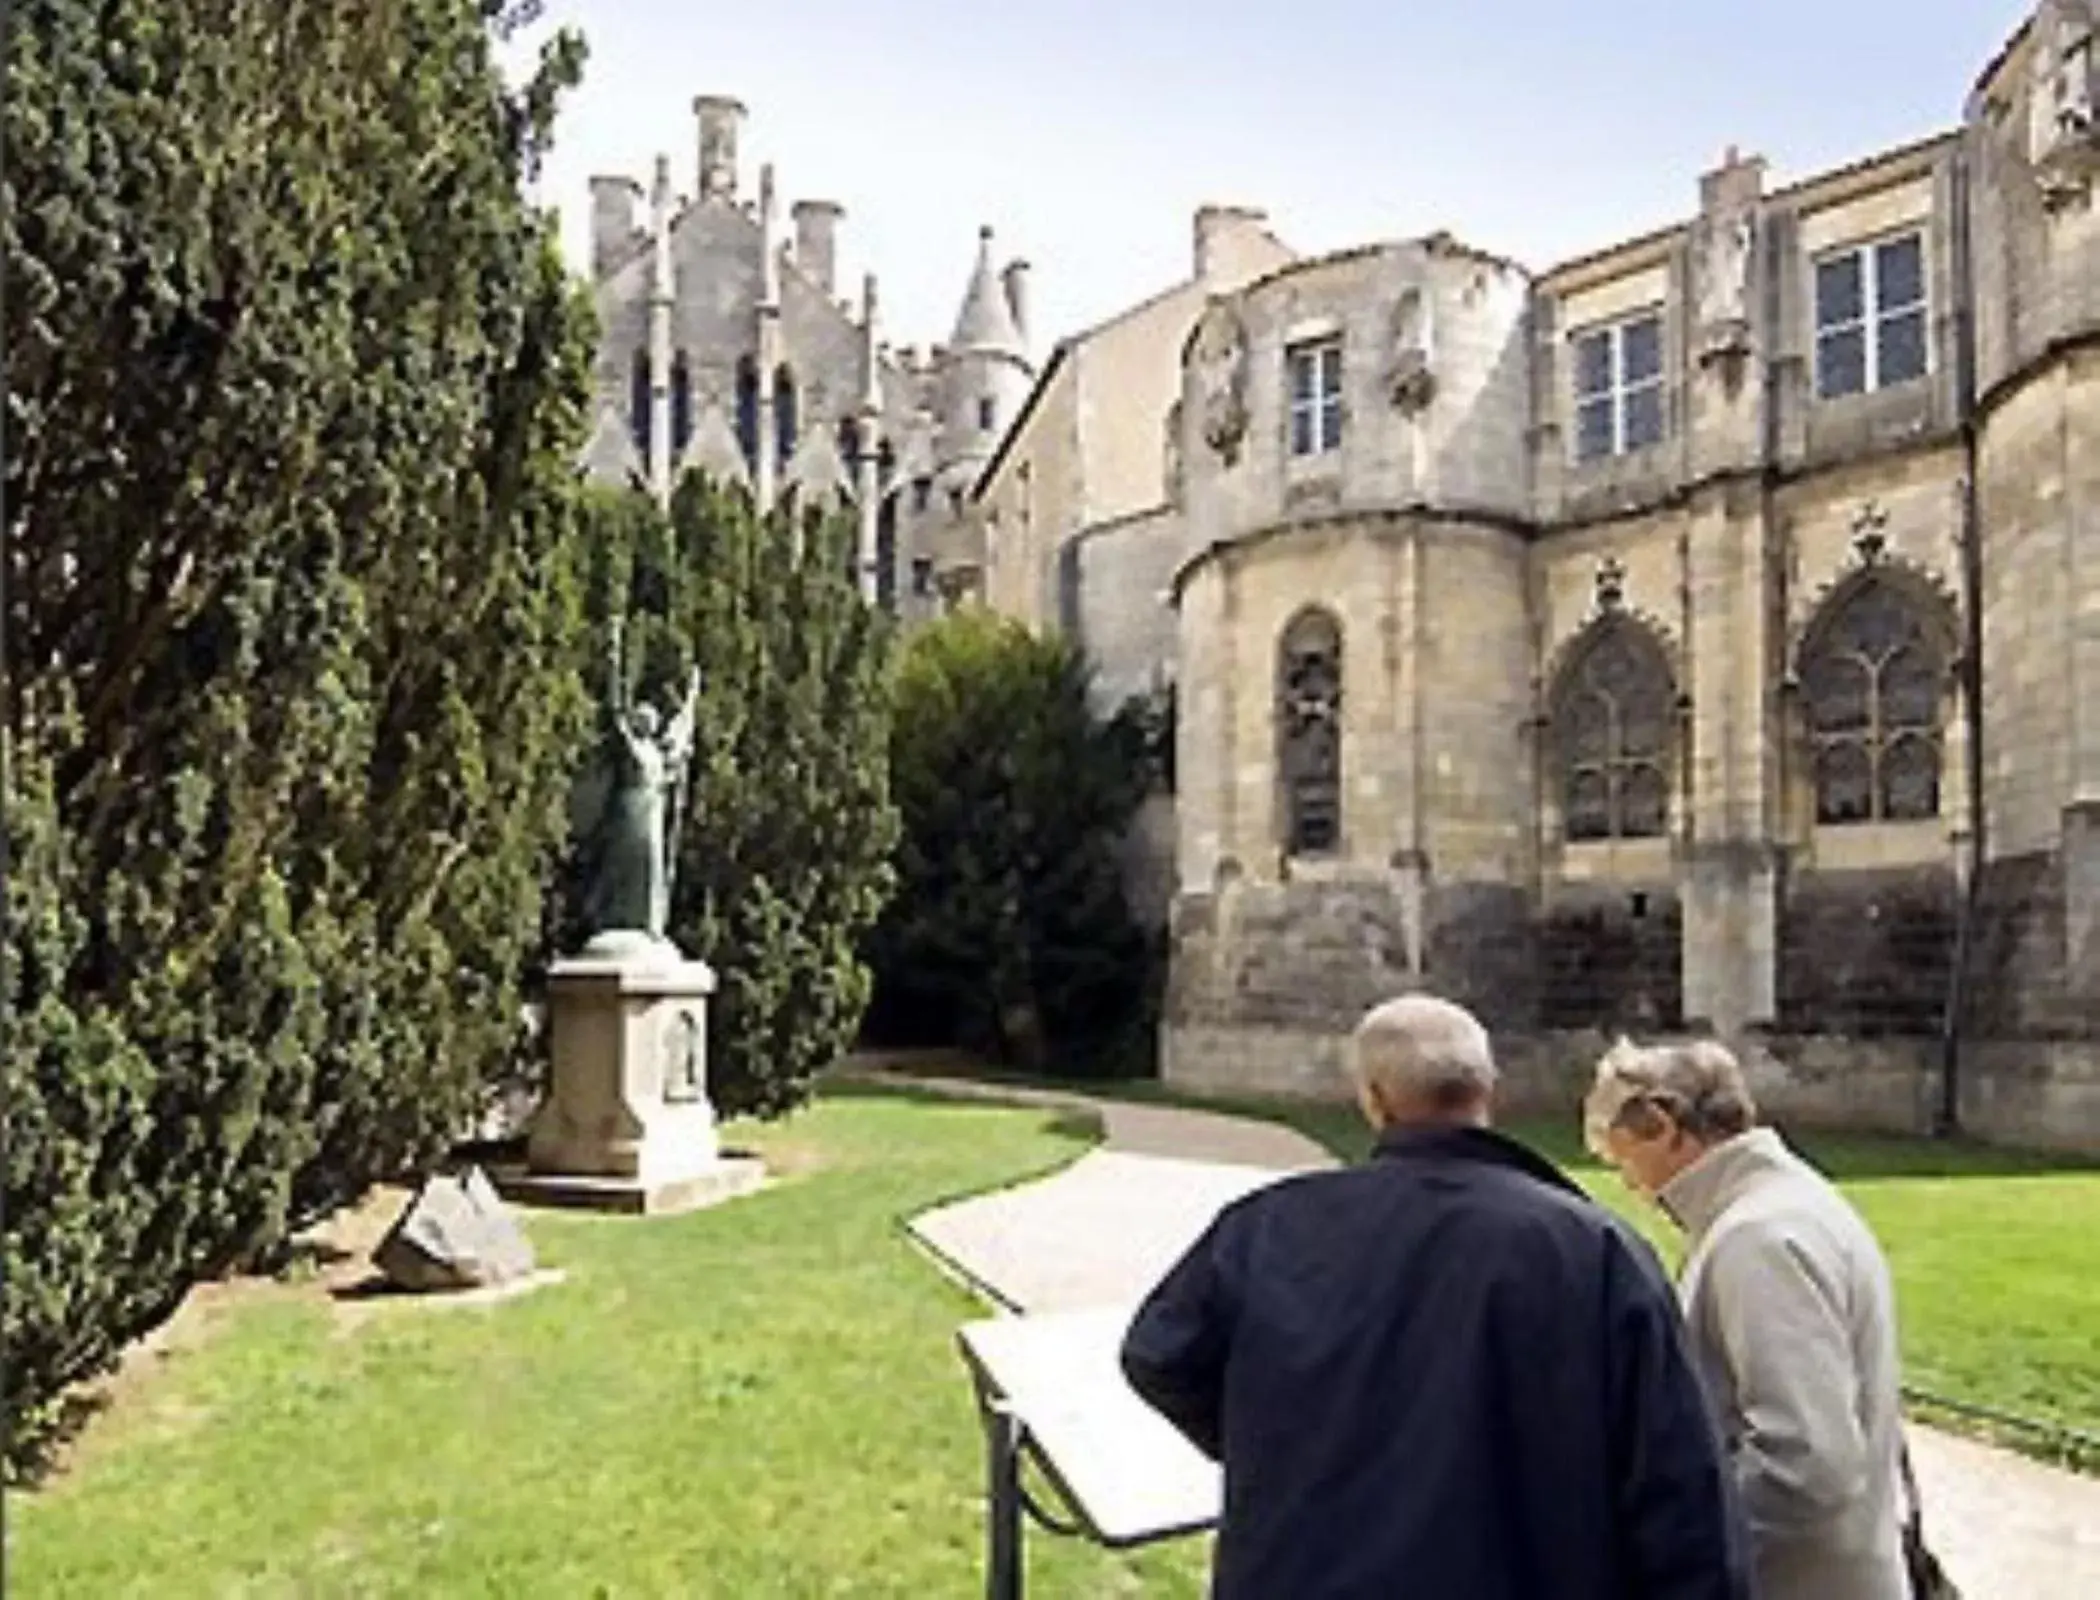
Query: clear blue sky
(1087, 131)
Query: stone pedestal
(627, 1124)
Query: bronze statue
(637, 826)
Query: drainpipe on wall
(1946, 1120)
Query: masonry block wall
(1610, 649)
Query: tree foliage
(294, 382)
(784, 854)
(1010, 932)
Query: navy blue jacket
(1443, 1375)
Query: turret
(662, 294)
(867, 425)
(985, 368)
(769, 242)
(1217, 230)
(816, 242)
(721, 118)
(612, 221)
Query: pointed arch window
(747, 410)
(639, 413)
(785, 415)
(1611, 720)
(1871, 681)
(1309, 732)
(886, 554)
(681, 404)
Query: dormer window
(1315, 370)
(1619, 387)
(1870, 316)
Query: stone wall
(1118, 576)
(2041, 1096)
(1867, 954)
(1611, 961)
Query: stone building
(726, 347)
(1703, 633)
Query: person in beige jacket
(1791, 1312)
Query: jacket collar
(1698, 1195)
(1470, 1144)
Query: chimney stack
(1015, 281)
(721, 117)
(612, 221)
(1214, 226)
(816, 242)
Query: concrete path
(1101, 1231)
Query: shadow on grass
(1065, 1122)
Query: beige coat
(1793, 1323)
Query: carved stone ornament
(1411, 378)
(1727, 244)
(1870, 540)
(1218, 362)
(1170, 453)
(2063, 135)
(1611, 586)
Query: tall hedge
(784, 859)
(1010, 933)
(293, 603)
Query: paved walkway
(1101, 1231)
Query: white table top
(1125, 1470)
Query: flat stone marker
(1122, 1468)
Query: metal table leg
(1003, 1573)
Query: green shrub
(1011, 933)
(295, 385)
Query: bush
(295, 383)
(1010, 933)
(784, 854)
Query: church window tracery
(1871, 685)
(1611, 723)
(681, 403)
(747, 410)
(785, 415)
(1309, 732)
(638, 412)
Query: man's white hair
(1419, 1048)
(1698, 1082)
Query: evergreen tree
(1010, 932)
(784, 853)
(294, 385)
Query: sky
(1086, 132)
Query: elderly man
(1444, 1373)
(1791, 1312)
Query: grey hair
(1698, 1082)
(1421, 1048)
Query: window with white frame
(1316, 397)
(1870, 316)
(1619, 387)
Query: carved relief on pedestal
(2063, 135)
(1411, 376)
(682, 1056)
(1218, 362)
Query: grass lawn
(758, 1400)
